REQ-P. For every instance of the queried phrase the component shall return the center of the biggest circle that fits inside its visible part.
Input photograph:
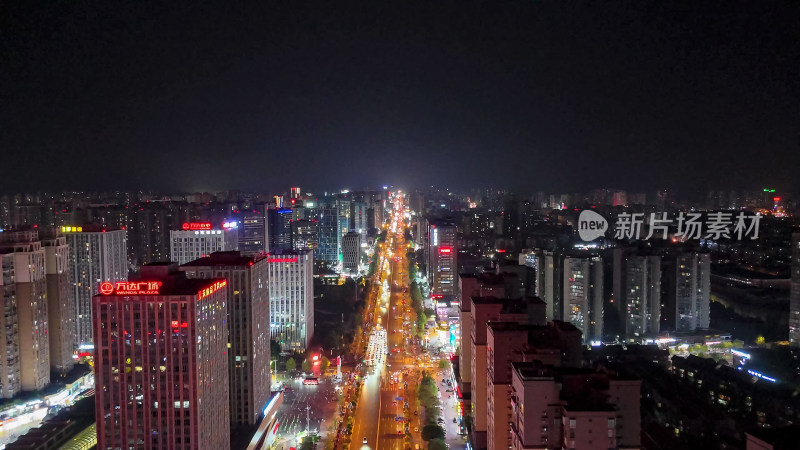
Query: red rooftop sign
(211, 289)
(130, 288)
(282, 260)
(193, 226)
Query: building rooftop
(289, 252)
(163, 278)
(232, 258)
(489, 300)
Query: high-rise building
(359, 222)
(343, 207)
(291, 294)
(9, 333)
(161, 373)
(253, 233)
(328, 233)
(794, 295)
(547, 280)
(483, 310)
(469, 286)
(279, 229)
(442, 259)
(583, 295)
(295, 193)
(637, 292)
(576, 408)
(692, 291)
(351, 251)
(196, 240)
(96, 255)
(26, 254)
(304, 235)
(248, 328)
(60, 304)
(508, 342)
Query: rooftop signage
(193, 226)
(282, 260)
(130, 288)
(211, 289)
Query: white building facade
(291, 294)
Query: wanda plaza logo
(687, 225)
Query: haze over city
(449, 225)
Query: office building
(554, 407)
(248, 328)
(351, 252)
(60, 304)
(25, 312)
(279, 229)
(329, 238)
(359, 222)
(344, 220)
(583, 295)
(199, 239)
(442, 259)
(794, 295)
(291, 294)
(637, 292)
(304, 235)
(96, 255)
(295, 193)
(161, 375)
(253, 233)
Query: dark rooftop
(232, 258)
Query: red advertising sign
(193, 226)
(211, 289)
(130, 288)
(282, 260)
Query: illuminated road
(381, 401)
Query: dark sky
(529, 95)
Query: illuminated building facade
(351, 251)
(328, 236)
(692, 291)
(637, 292)
(60, 304)
(253, 233)
(794, 295)
(279, 229)
(161, 375)
(291, 294)
(199, 239)
(304, 235)
(583, 295)
(248, 328)
(96, 255)
(9, 335)
(27, 360)
(442, 259)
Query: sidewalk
(449, 403)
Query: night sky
(528, 95)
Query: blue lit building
(279, 229)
